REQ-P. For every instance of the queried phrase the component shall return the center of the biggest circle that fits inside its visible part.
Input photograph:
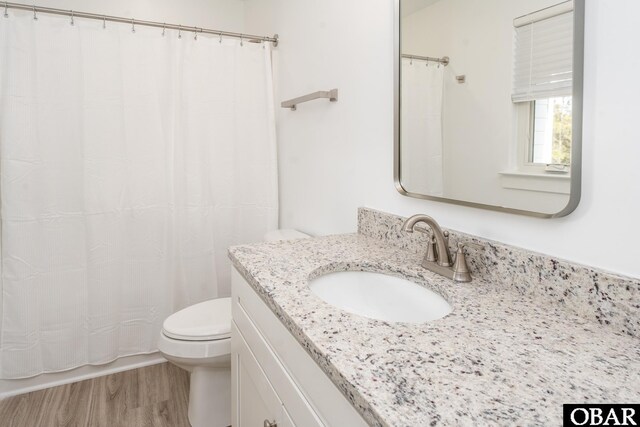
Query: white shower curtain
(421, 127)
(129, 162)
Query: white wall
(336, 157)
(215, 14)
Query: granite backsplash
(609, 299)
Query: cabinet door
(257, 404)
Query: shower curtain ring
(195, 33)
(241, 39)
(35, 14)
(220, 41)
(133, 25)
(72, 23)
(179, 31)
(164, 24)
(104, 22)
(6, 7)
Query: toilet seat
(207, 321)
(199, 350)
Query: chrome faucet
(438, 258)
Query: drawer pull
(268, 423)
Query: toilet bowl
(198, 339)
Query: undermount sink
(379, 296)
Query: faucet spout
(444, 258)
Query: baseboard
(10, 388)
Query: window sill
(541, 182)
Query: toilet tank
(287, 234)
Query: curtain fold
(129, 162)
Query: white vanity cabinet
(274, 381)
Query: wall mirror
(488, 103)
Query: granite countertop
(500, 358)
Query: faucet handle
(432, 250)
(460, 268)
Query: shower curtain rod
(444, 60)
(104, 18)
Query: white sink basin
(379, 296)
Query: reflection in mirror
(490, 103)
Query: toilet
(198, 339)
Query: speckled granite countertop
(500, 358)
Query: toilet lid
(206, 321)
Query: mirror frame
(577, 113)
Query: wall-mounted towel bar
(331, 94)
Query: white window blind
(543, 57)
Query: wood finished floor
(154, 396)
